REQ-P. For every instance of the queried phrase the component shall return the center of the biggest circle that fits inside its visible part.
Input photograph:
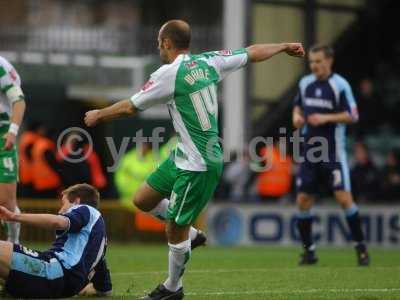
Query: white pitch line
(309, 291)
(299, 291)
(188, 272)
(256, 270)
(283, 292)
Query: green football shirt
(9, 79)
(10, 92)
(188, 86)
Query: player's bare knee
(139, 202)
(168, 232)
(136, 201)
(146, 198)
(344, 198)
(304, 201)
(6, 249)
(8, 196)
(176, 233)
(172, 231)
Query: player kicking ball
(74, 261)
(322, 108)
(187, 84)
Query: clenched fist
(92, 118)
(295, 49)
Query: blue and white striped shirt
(81, 248)
(333, 95)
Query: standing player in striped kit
(12, 108)
(187, 84)
(322, 108)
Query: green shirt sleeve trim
(132, 99)
(21, 98)
(244, 50)
(6, 88)
(2, 72)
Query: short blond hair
(87, 194)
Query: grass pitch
(258, 273)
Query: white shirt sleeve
(10, 82)
(159, 89)
(228, 61)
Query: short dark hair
(178, 32)
(85, 192)
(327, 50)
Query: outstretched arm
(117, 110)
(46, 221)
(261, 52)
(157, 90)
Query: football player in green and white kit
(12, 108)
(187, 84)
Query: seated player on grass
(76, 259)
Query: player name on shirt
(321, 103)
(197, 74)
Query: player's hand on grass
(92, 118)
(90, 291)
(295, 49)
(317, 119)
(10, 140)
(6, 215)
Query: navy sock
(354, 222)
(304, 224)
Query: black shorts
(335, 173)
(34, 274)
